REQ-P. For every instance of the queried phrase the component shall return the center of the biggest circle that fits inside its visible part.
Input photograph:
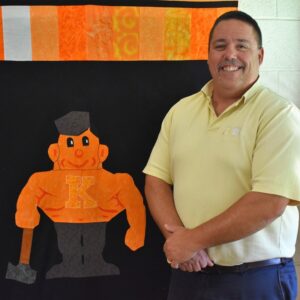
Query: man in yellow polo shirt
(223, 179)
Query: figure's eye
(85, 141)
(70, 142)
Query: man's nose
(230, 52)
(78, 153)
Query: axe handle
(26, 245)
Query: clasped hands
(181, 251)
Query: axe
(22, 271)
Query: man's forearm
(160, 201)
(251, 213)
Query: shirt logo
(234, 131)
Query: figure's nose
(78, 153)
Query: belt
(246, 266)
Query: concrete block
(288, 9)
(259, 8)
(270, 79)
(281, 40)
(289, 87)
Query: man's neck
(221, 101)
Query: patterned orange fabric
(72, 32)
(44, 33)
(100, 32)
(116, 33)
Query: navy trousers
(277, 282)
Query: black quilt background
(127, 101)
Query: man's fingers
(174, 265)
(210, 263)
(204, 259)
(197, 267)
(182, 267)
(190, 267)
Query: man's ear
(53, 152)
(261, 55)
(103, 152)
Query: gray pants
(81, 246)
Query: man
(224, 178)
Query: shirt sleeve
(276, 158)
(159, 162)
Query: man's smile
(230, 66)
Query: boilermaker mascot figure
(80, 197)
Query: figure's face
(78, 152)
(234, 56)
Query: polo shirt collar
(208, 90)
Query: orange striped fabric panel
(117, 33)
(44, 33)
(1, 37)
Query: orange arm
(27, 215)
(132, 200)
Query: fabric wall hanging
(105, 33)
(123, 64)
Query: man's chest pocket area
(231, 147)
(230, 134)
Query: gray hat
(73, 123)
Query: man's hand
(198, 262)
(179, 246)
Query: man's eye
(70, 142)
(242, 47)
(85, 141)
(220, 47)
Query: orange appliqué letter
(78, 186)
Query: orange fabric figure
(79, 191)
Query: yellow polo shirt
(212, 161)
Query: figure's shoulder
(108, 176)
(124, 178)
(41, 175)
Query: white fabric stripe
(16, 32)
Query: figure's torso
(77, 196)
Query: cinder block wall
(280, 24)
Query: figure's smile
(65, 163)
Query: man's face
(234, 57)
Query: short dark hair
(241, 16)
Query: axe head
(21, 272)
